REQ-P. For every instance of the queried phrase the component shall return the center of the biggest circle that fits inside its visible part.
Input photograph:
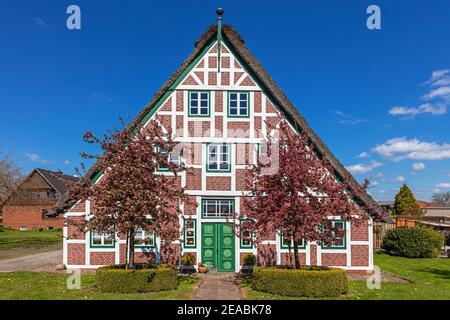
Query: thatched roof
(236, 43)
(235, 40)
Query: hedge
(300, 283)
(145, 278)
(415, 242)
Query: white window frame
(103, 237)
(218, 205)
(199, 101)
(239, 100)
(145, 235)
(218, 159)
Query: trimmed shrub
(437, 239)
(412, 242)
(249, 259)
(300, 283)
(145, 278)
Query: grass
(429, 279)
(50, 286)
(20, 243)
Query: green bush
(300, 283)
(145, 278)
(249, 259)
(413, 242)
(437, 239)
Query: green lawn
(48, 286)
(19, 243)
(430, 279)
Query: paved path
(218, 286)
(45, 261)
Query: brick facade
(243, 135)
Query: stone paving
(218, 286)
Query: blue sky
(381, 95)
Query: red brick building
(27, 207)
(218, 105)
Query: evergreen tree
(405, 203)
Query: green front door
(218, 246)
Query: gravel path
(46, 261)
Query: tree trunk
(130, 249)
(291, 263)
(297, 258)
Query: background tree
(132, 194)
(10, 174)
(442, 199)
(298, 197)
(405, 203)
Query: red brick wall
(212, 78)
(102, 258)
(225, 78)
(267, 255)
(76, 254)
(219, 101)
(218, 183)
(285, 258)
(180, 100)
(313, 254)
(219, 126)
(238, 130)
(167, 106)
(80, 207)
(258, 101)
(360, 231)
(30, 217)
(199, 128)
(193, 179)
(242, 182)
(334, 259)
(72, 231)
(360, 255)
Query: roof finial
(219, 12)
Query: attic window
(199, 104)
(238, 104)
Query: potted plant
(202, 268)
(187, 263)
(248, 263)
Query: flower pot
(202, 269)
(247, 269)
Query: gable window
(198, 103)
(173, 157)
(218, 158)
(337, 242)
(101, 239)
(217, 208)
(285, 243)
(238, 104)
(144, 238)
(246, 235)
(190, 233)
